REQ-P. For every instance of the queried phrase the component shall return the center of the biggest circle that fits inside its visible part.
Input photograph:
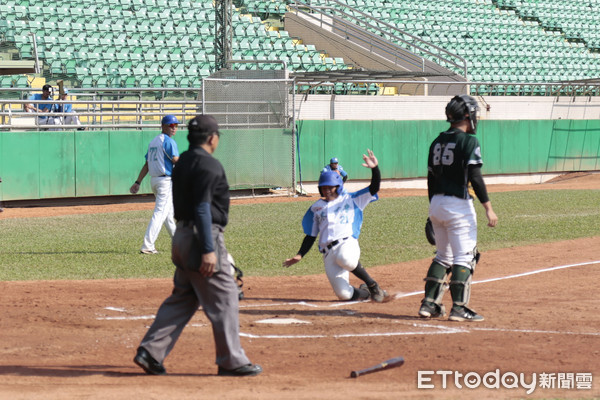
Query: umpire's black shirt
(200, 191)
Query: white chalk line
(537, 331)
(442, 329)
(539, 271)
(437, 330)
(126, 318)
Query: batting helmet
(169, 119)
(334, 160)
(331, 178)
(459, 107)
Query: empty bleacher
(144, 43)
(503, 40)
(160, 43)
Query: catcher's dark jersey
(450, 154)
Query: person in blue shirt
(67, 108)
(161, 156)
(43, 107)
(334, 165)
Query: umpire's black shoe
(148, 363)
(244, 370)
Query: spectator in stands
(72, 119)
(43, 107)
(335, 166)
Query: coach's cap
(169, 119)
(204, 123)
(47, 87)
(334, 160)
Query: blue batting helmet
(331, 178)
(334, 160)
(169, 119)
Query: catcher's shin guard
(460, 285)
(435, 283)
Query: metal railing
(384, 42)
(118, 108)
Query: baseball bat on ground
(391, 363)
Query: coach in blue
(204, 276)
(334, 165)
(161, 156)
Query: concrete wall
(349, 107)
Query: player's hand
(134, 188)
(492, 218)
(209, 261)
(370, 159)
(291, 261)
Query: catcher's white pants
(455, 226)
(339, 261)
(163, 211)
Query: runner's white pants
(163, 211)
(339, 261)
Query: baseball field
(77, 298)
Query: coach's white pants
(339, 262)
(163, 211)
(455, 226)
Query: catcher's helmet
(169, 119)
(331, 178)
(334, 160)
(459, 107)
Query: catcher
(454, 161)
(337, 219)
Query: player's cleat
(244, 370)
(148, 252)
(461, 313)
(431, 310)
(363, 292)
(148, 363)
(378, 294)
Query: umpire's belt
(332, 244)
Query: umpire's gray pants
(218, 296)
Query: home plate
(282, 321)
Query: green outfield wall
(38, 165)
(508, 147)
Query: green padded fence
(38, 165)
(508, 147)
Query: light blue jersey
(161, 151)
(337, 219)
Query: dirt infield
(76, 339)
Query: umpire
(204, 276)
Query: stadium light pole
(223, 33)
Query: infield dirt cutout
(76, 339)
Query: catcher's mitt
(429, 232)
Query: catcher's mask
(462, 107)
(330, 178)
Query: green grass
(261, 236)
